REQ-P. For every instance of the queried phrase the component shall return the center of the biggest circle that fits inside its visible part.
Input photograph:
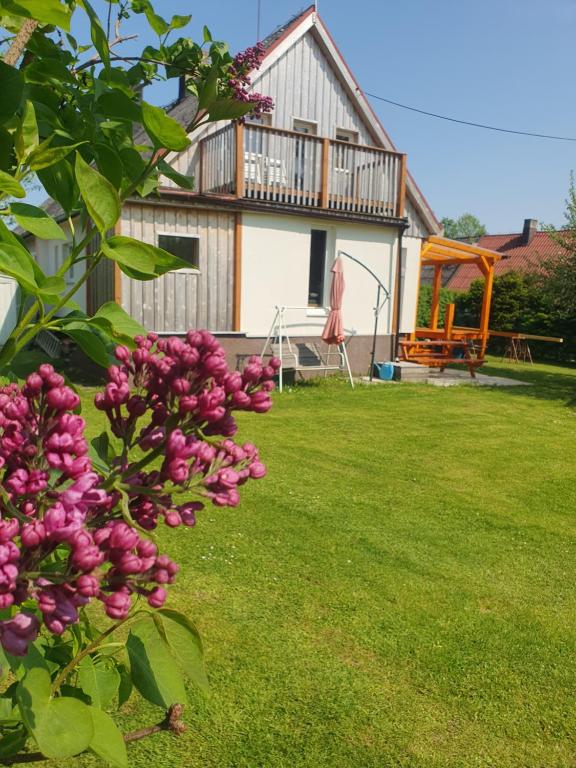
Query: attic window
(185, 247)
(264, 119)
(343, 134)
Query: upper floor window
(185, 247)
(343, 134)
(264, 119)
(317, 271)
(305, 126)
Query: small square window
(184, 247)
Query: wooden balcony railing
(281, 166)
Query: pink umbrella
(333, 332)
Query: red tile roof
(517, 257)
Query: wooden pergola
(440, 346)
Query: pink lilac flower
(174, 400)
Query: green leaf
(153, 669)
(14, 263)
(207, 37)
(11, 88)
(10, 186)
(59, 182)
(131, 253)
(97, 34)
(163, 130)
(13, 742)
(125, 689)
(61, 727)
(90, 343)
(158, 24)
(100, 680)
(120, 320)
(186, 645)
(44, 11)
(209, 91)
(109, 164)
(103, 449)
(37, 221)
(141, 261)
(45, 155)
(26, 138)
(186, 182)
(118, 105)
(228, 109)
(107, 741)
(177, 22)
(52, 286)
(99, 195)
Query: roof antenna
(258, 21)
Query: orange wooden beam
(435, 305)
(464, 247)
(485, 313)
(449, 320)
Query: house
(275, 202)
(521, 252)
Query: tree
(559, 271)
(466, 227)
(77, 520)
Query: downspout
(398, 293)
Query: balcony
(288, 168)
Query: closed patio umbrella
(333, 332)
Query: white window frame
(264, 119)
(354, 135)
(308, 122)
(182, 270)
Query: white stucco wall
(275, 270)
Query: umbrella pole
(376, 315)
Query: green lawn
(400, 590)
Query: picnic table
(439, 353)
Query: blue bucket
(383, 371)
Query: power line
(468, 122)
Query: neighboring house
(275, 202)
(521, 252)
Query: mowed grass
(399, 591)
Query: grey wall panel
(183, 299)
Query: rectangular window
(185, 247)
(317, 267)
(304, 126)
(264, 119)
(343, 134)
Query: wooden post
(401, 200)
(435, 306)
(239, 160)
(449, 320)
(485, 314)
(325, 173)
(237, 272)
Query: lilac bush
(71, 534)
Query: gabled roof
(309, 19)
(517, 256)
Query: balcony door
(302, 154)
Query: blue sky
(507, 63)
